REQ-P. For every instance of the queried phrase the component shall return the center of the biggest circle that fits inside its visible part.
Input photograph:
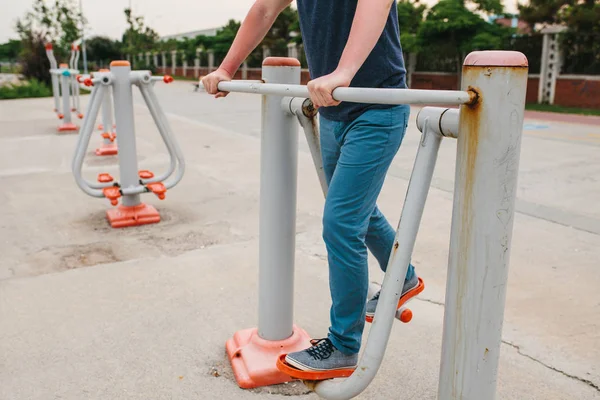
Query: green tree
(541, 11)
(451, 30)
(102, 50)
(58, 23)
(10, 50)
(410, 17)
(224, 38)
(285, 29)
(138, 37)
(581, 41)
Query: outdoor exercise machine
(132, 211)
(109, 136)
(488, 127)
(66, 75)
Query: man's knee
(342, 227)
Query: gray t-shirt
(325, 26)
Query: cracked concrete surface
(92, 312)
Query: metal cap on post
(488, 149)
(253, 352)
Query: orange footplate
(296, 373)
(158, 189)
(404, 299)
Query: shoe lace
(376, 297)
(322, 349)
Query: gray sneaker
(322, 356)
(408, 287)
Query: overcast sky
(105, 17)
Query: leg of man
(380, 235)
(356, 157)
(368, 145)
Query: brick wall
(533, 84)
(578, 91)
(434, 80)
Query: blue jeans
(356, 157)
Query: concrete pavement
(143, 313)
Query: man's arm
(369, 20)
(257, 23)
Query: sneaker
(409, 290)
(321, 356)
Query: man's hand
(212, 80)
(321, 89)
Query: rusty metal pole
(489, 143)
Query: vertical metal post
(211, 60)
(277, 229)
(245, 70)
(83, 48)
(65, 86)
(123, 102)
(173, 61)
(266, 51)
(197, 63)
(489, 143)
(107, 115)
(54, 77)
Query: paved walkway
(89, 312)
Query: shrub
(33, 88)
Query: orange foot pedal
(108, 149)
(67, 127)
(296, 373)
(406, 314)
(142, 214)
(158, 189)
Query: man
(347, 43)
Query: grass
(25, 90)
(560, 109)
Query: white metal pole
(307, 116)
(76, 84)
(278, 177)
(54, 77)
(107, 116)
(355, 94)
(485, 187)
(83, 48)
(123, 108)
(65, 83)
(443, 121)
(173, 62)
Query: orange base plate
(294, 372)
(141, 214)
(67, 127)
(254, 360)
(409, 295)
(107, 150)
